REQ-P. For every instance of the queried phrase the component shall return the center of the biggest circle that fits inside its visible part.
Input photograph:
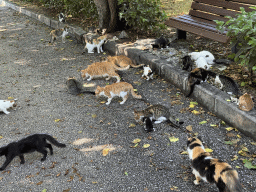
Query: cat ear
(200, 138)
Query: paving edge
(207, 95)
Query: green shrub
(142, 15)
(242, 31)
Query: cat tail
(54, 141)
(230, 178)
(197, 82)
(171, 122)
(135, 95)
(122, 68)
(89, 92)
(137, 66)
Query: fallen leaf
(146, 145)
(195, 112)
(94, 115)
(189, 128)
(235, 158)
(39, 183)
(57, 120)
(44, 190)
(238, 167)
(66, 190)
(229, 128)
(239, 136)
(132, 125)
(213, 125)
(202, 122)
(125, 173)
(94, 182)
(184, 153)
(173, 139)
(253, 143)
(58, 175)
(10, 98)
(105, 151)
(208, 150)
(248, 164)
(136, 140)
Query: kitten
(225, 83)
(158, 113)
(120, 89)
(123, 61)
(187, 63)
(101, 69)
(246, 102)
(148, 124)
(148, 73)
(75, 87)
(59, 32)
(5, 104)
(210, 169)
(36, 142)
(205, 54)
(62, 18)
(95, 43)
(161, 42)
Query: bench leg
(181, 34)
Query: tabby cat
(246, 102)
(210, 169)
(59, 32)
(36, 142)
(95, 43)
(102, 69)
(157, 113)
(123, 61)
(5, 104)
(187, 63)
(75, 87)
(120, 89)
(223, 82)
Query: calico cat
(75, 87)
(205, 54)
(225, 83)
(148, 73)
(161, 42)
(57, 33)
(123, 61)
(246, 102)
(210, 169)
(120, 89)
(101, 69)
(158, 113)
(36, 142)
(95, 43)
(5, 104)
(148, 124)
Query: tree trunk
(108, 14)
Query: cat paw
(107, 103)
(22, 162)
(43, 159)
(196, 182)
(121, 103)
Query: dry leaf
(132, 125)
(173, 139)
(146, 145)
(189, 128)
(105, 151)
(136, 140)
(208, 150)
(39, 183)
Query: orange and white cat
(95, 43)
(210, 169)
(123, 61)
(121, 89)
(5, 104)
(101, 69)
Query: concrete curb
(209, 96)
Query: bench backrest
(217, 9)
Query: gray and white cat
(157, 113)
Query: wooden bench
(200, 18)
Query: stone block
(47, 21)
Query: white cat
(205, 54)
(5, 104)
(148, 73)
(202, 63)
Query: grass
(176, 7)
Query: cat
(62, 18)
(75, 87)
(120, 89)
(147, 72)
(36, 142)
(57, 33)
(161, 42)
(210, 169)
(123, 61)
(187, 63)
(101, 69)
(157, 113)
(225, 83)
(148, 124)
(5, 104)
(245, 102)
(95, 43)
(202, 63)
(205, 54)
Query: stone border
(209, 96)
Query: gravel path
(35, 72)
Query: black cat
(161, 42)
(36, 142)
(75, 87)
(148, 124)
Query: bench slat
(207, 16)
(253, 2)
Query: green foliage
(142, 15)
(242, 31)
